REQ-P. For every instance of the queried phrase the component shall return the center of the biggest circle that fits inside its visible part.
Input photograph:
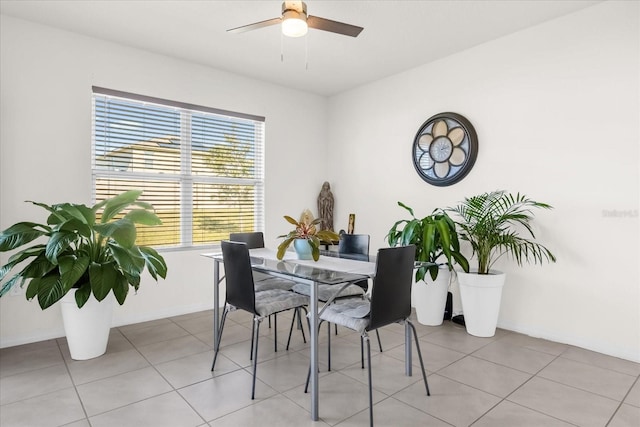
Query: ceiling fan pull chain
(306, 52)
(281, 47)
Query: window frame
(186, 179)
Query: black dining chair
(390, 302)
(265, 282)
(241, 295)
(354, 246)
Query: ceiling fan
(295, 22)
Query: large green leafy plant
(306, 229)
(81, 251)
(491, 223)
(434, 236)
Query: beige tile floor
(158, 374)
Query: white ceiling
(398, 35)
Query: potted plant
(305, 236)
(437, 246)
(492, 223)
(80, 256)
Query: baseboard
(119, 321)
(626, 353)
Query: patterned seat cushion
(352, 314)
(326, 292)
(258, 276)
(274, 283)
(277, 300)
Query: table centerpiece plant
(305, 236)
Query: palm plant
(490, 222)
(306, 229)
(81, 251)
(434, 236)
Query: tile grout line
(622, 401)
(75, 387)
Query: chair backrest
(253, 239)
(391, 293)
(354, 244)
(239, 276)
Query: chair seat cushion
(352, 314)
(258, 276)
(277, 300)
(274, 283)
(326, 292)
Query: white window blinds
(200, 167)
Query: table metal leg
(407, 349)
(313, 320)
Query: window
(201, 168)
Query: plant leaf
(6, 287)
(282, 247)
(121, 288)
(141, 216)
(122, 231)
(82, 295)
(129, 260)
(154, 261)
(57, 244)
(50, 290)
(291, 220)
(20, 234)
(118, 203)
(102, 278)
(72, 268)
(32, 289)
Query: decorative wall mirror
(445, 149)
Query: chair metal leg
(297, 316)
(336, 325)
(424, 375)
(379, 342)
(329, 346)
(362, 352)
(304, 339)
(370, 384)
(275, 332)
(296, 312)
(255, 356)
(253, 333)
(224, 317)
(306, 386)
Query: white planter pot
(481, 295)
(431, 298)
(87, 328)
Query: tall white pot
(87, 328)
(430, 298)
(481, 295)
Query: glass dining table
(331, 269)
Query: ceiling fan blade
(255, 25)
(333, 26)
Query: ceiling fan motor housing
(295, 6)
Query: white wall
(45, 140)
(556, 109)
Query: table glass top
(304, 271)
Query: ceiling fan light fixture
(294, 23)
